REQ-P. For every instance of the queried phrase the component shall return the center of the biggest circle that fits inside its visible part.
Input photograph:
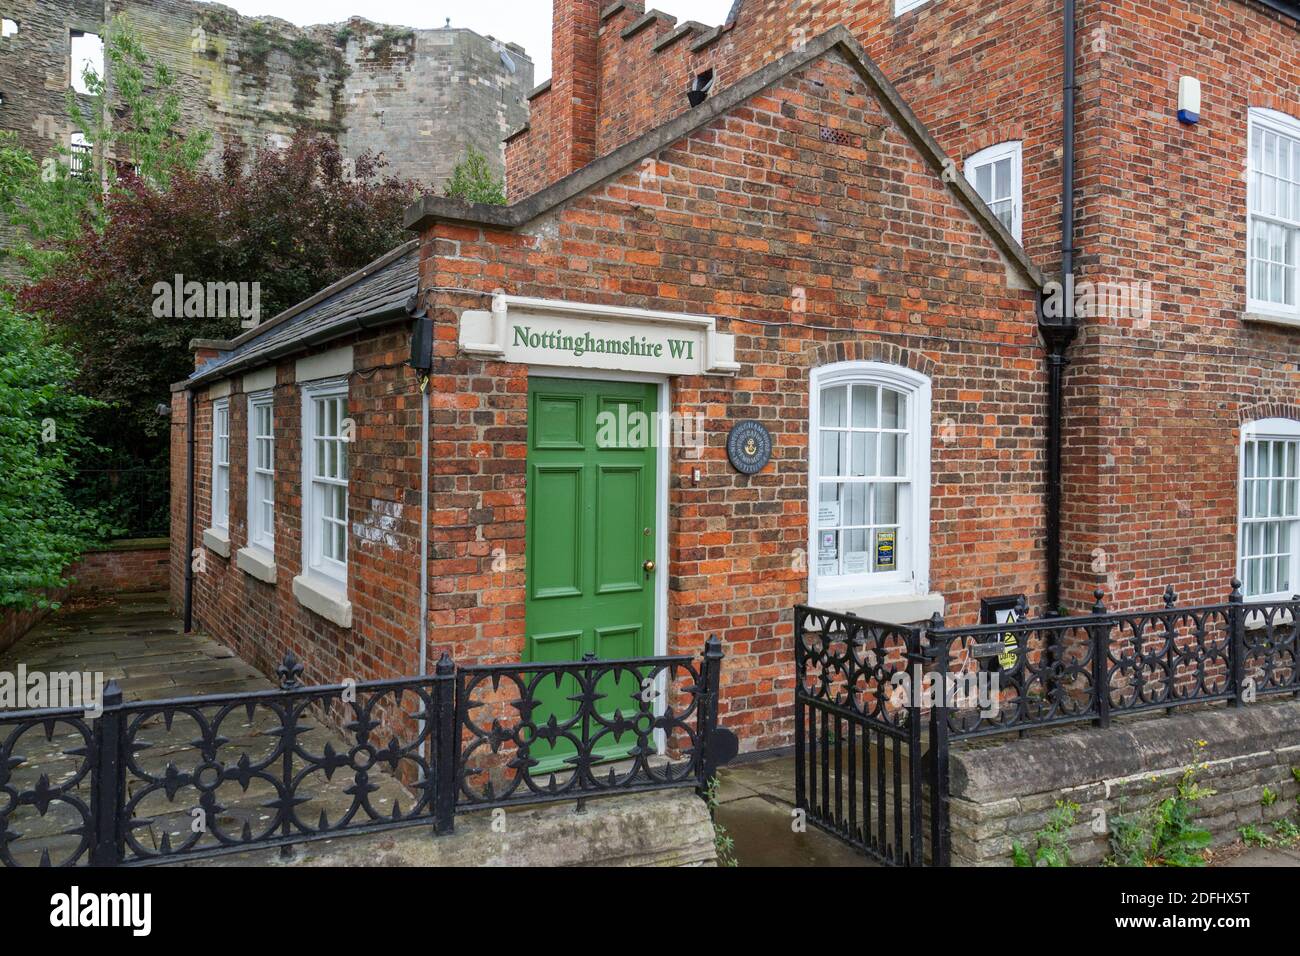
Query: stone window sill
(1267, 317)
(256, 563)
(218, 540)
(1255, 620)
(888, 609)
(329, 599)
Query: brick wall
(976, 74)
(262, 621)
(122, 567)
(739, 215)
(1154, 403)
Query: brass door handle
(648, 567)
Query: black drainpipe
(1059, 332)
(189, 510)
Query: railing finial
(1022, 609)
(936, 621)
(1236, 597)
(1100, 606)
(1171, 596)
(289, 671)
(445, 665)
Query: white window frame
(314, 562)
(220, 468)
(912, 576)
(1273, 121)
(1014, 150)
(1267, 429)
(902, 6)
(260, 534)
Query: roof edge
(329, 291)
(431, 209)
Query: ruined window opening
(81, 155)
(85, 52)
(8, 28)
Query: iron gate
(871, 765)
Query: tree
(41, 531)
(473, 181)
(285, 223)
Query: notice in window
(886, 555)
(857, 562)
(828, 514)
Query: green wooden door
(592, 541)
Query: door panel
(591, 527)
(619, 528)
(557, 571)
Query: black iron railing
(1036, 673)
(155, 781)
(876, 705)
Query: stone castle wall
(419, 97)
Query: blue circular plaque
(749, 446)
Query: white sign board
(577, 335)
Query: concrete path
(135, 640)
(755, 801)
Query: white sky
(526, 22)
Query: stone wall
(419, 97)
(1004, 791)
(665, 828)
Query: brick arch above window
(1261, 410)
(868, 350)
(987, 137)
(1272, 101)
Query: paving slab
(756, 804)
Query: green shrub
(41, 531)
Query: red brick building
(834, 223)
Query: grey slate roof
(374, 294)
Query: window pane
(855, 505)
(893, 409)
(886, 503)
(864, 406)
(893, 458)
(984, 182)
(862, 461)
(832, 452)
(833, 406)
(1002, 179)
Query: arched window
(1273, 214)
(1268, 536)
(995, 174)
(869, 483)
